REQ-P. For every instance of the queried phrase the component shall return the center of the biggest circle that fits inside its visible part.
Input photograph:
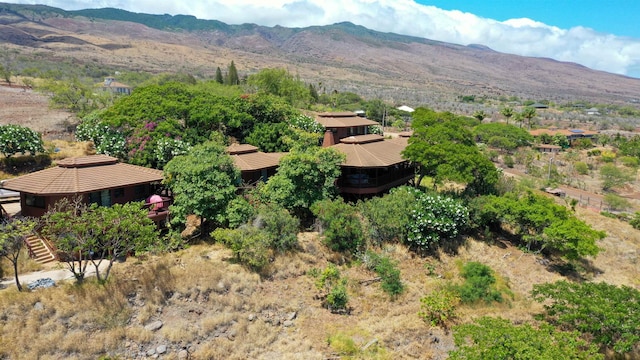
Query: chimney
(328, 139)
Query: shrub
(238, 212)
(581, 168)
(508, 161)
(438, 308)
(630, 161)
(340, 224)
(635, 221)
(250, 245)
(435, 218)
(16, 139)
(388, 271)
(495, 338)
(336, 287)
(479, 284)
(281, 227)
(387, 218)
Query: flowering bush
(19, 139)
(106, 140)
(435, 218)
(168, 148)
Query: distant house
(571, 134)
(96, 179)
(546, 148)
(110, 84)
(592, 111)
(539, 106)
(343, 124)
(254, 165)
(406, 108)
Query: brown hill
(343, 57)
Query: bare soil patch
(28, 108)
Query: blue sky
(618, 17)
(603, 34)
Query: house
(254, 165)
(539, 106)
(343, 124)
(571, 134)
(373, 164)
(592, 111)
(406, 108)
(99, 179)
(546, 148)
(110, 84)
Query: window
(102, 198)
(118, 193)
(35, 201)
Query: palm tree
(529, 113)
(517, 117)
(507, 112)
(480, 115)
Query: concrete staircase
(39, 251)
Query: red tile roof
(83, 175)
(342, 120)
(371, 151)
(247, 157)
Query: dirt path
(60, 273)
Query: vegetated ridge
(342, 56)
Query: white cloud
(518, 36)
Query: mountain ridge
(343, 56)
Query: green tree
(479, 114)
(202, 182)
(65, 224)
(616, 202)
(73, 95)
(303, 177)
(560, 140)
(606, 314)
(496, 338)
(507, 112)
(573, 238)
(504, 136)
(232, 75)
(13, 233)
(528, 113)
(539, 222)
(280, 82)
(446, 151)
(120, 229)
(219, 79)
(271, 137)
(91, 234)
(16, 139)
(612, 176)
(340, 224)
(5, 74)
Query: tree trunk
(15, 272)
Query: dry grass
(215, 308)
(62, 149)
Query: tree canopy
(503, 136)
(303, 177)
(607, 314)
(202, 181)
(446, 151)
(496, 338)
(13, 232)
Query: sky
(600, 34)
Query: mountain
(342, 56)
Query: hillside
(343, 57)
